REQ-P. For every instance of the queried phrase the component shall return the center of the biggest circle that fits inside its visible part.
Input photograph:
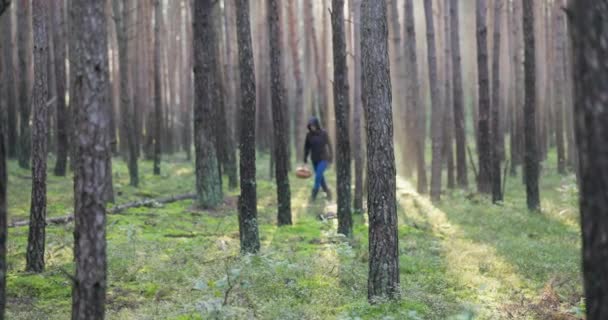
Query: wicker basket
(303, 172)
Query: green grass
(461, 259)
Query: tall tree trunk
(495, 130)
(297, 74)
(459, 114)
(358, 147)
(342, 111)
(3, 184)
(24, 31)
(248, 225)
(559, 74)
(158, 88)
(437, 109)
(208, 180)
(61, 116)
(589, 32)
(484, 180)
(90, 102)
(122, 20)
(416, 108)
(448, 127)
(531, 142)
(278, 115)
(11, 133)
(383, 278)
(36, 238)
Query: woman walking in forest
(318, 146)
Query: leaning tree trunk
(248, 223)
(383, 278)
(589, 33)
(437, 109)
(342, 111)
(357, 111)
(496, 144)
(462, 178)
(484, 179)
(416, 108)
(90, 102)
(158, 88)
(531, 141)
(208, 180)
(24, 17)
(61, 116)
(36, 237)
(12, 135)
(279, 108)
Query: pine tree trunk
(484, 180)
(208, 181)
(11, 133)
(278, 115)
(459, 114)
(36, 238)
(3, 184)
(248, 223)
(342, 111)
(24, 17)
(531, 149)
(591, 116)
(559, 80)
(448, 142)
(416, 108)
(383, 278)
(358, 142)
(158, 87)
(495, 130)
(59, 40)
(90, 102)
(297, 74)
(436, 104)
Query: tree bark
(589, 32)
(462, 178)
(342, 112)
(158, 87)
(530, 133)
(416, 108)
(36, 237)
(358, 143)
(484, 179)
(208, 180)
(297, 74)
(24, 31)
(495, 130)
(248, 223)
(11, 133)
(436, 104)
(278, 115)
(3, 183)
(448, 127)
(90, 102)
(559, 86)
(383, 278)
(60, 46)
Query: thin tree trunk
(297, 74)
(559, 80)
(342, 112)
(3, 183)
(484, 178)
(459, 115)
(416, 108)
(383, 278)
(208, 180)
(24, 17)
(60, 46)
(12, 135)
(495, 130)
(531, 141)
(437, 108)
(158, 88)
(90, 102)
(358, 142)
(589, 33)
(248, 225)
(278, 115)
(448, 144)
(36, 237)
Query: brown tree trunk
(559, 79)
(248, 225)
(383, 278)
(62, 125)
(278, 115)
(530, 133)
(24, 32)
(90, 102)
(208, 180)
(496, 133)
(416, 108)
(448, 127)
(437, 108)
(3, 187)
(484, 179)
(459, 114)
(158, 88)
(36, 237)
(589, 32)
(12, 135)
(358, 147)
(297, 74)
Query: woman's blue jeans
(320, 168)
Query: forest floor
(462, 259)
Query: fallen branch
(115, 210)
